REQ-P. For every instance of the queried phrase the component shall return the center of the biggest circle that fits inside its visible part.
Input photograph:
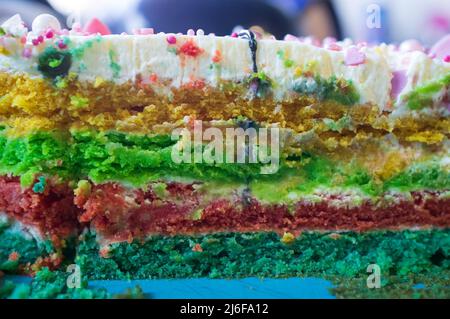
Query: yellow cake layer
(28, 104)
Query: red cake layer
(51, 212)
(118, 213)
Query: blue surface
(247, 288)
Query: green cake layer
(414, 264)
(237, 255)
(49, 285)
(139, 159)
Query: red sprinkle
(35, 42)
(154, 78)
(217, 56)
(171, 39)
(197, 84)
(49, 34)
(197, 248)
(14, 256)
(191, 49)
(40, 39)
(234, 35)
(62, 45)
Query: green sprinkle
(288, 63)
(2, 31)
(422, 97)
(39, 187)
(280, 54)
(173, 50)
(113, 65)
(54, 63)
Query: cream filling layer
(124, 58)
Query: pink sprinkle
(354, 57)
(234, 35)
(76, 27)
(361, 45)
(171, 39)
(147, 31)
(27, 53)
(411, 45)
(96, 26)
(144, 31)
(432, 55)
(40, 39)
(334, 47)
(62, 45)
(442, 48)
(398, 82)
(290, 37)
(35, 42)
(329, 40)
(257, 34)
(49, 34)
(447, 59)
(313, 41)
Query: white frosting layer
(123, 58)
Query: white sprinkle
(44, 22)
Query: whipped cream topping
(166, 61)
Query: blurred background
(362, 20)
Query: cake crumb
(197, 248)
(287, 238)
(334, 236)
(105, 252)
(14, 256)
